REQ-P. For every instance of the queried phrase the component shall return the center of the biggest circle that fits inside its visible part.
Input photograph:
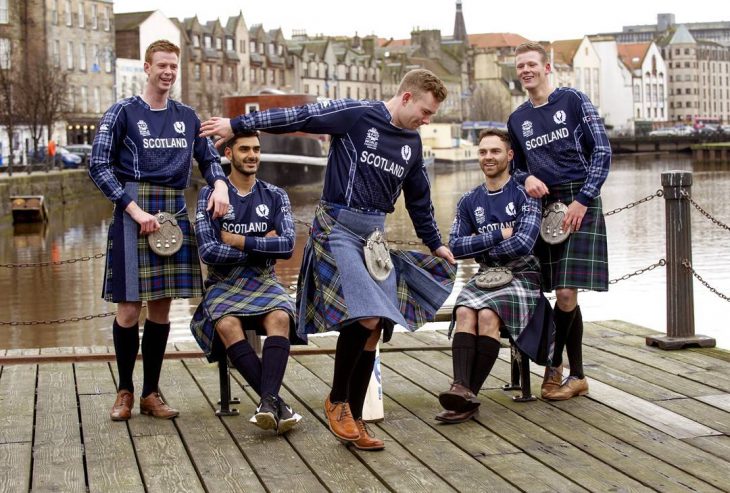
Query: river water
(635, 237)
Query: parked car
(69, 159)
(684, 130)
(663, 132)
(83, 150)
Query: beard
(240, 167)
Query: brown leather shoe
(366, 440)
(153, 405)
(122, 408)
(458, 398)
(340, 421)
(453, 417)
(552, 380)
(573, 386)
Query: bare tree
(8, 89)
(488, 104)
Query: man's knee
(372, 341)
(128, 313)
(567, 299)
(466, 320)
(489, 323)
(276, 323)
(159, 310)
(230, 330)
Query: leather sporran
(167, 240)
(377, 256)
(493, 277)
(551, 227)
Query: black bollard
(680, 298)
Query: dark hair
(240, 135)
(161, 45)
(501, 134)
(533, 46)
(419, 81)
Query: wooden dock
(654, 421)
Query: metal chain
(660, 263)
(658, 193)
(702, 211)
(58, 321)
(85, 258)
(688, 266)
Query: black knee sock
(350, 345)
(244, 359)
(574, 345)
(487, 353)
(463, 350)
(274, 358)
(126, 347)
(359, 382)
(563, 321)
(154, 340)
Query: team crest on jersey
(144, 130)
(179, 127)
(371, 139)
(510, 209)
(323, 102)
(103, 128)
(230, 215)
(405, 152)
(527, 128)
(559, 117)
(262, 210)
(479, 215)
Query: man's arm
(209, 162)
(600, 151)
(519, 163)
(524, 234)
(417, 195)
(211, 248)
(464, 240)
(110, 133)
(276, 246)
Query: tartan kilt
(581, 261)
(133, 271)
(244, 291)
(515, 302)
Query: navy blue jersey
(266, 208)
(370, 159)
(136, 143)
(561, 141)
(481, 216)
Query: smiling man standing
(141, 160)
(562, 154)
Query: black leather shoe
(458, 398)
(453, 417)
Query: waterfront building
(648, 81)
(615, 87)
(271, 66)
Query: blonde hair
(419, 81)
(532, 46)
(161, 45)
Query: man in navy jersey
(141, 160)
(497, 224)
(241, 249)
(375, 154)
(562, 154)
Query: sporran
(377, 256)
(167, 240)
(493, 277)
(551, 227)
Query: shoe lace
(364, 427)
(344, 412)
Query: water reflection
(636, 239)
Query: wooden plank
(718, 353)
(164, 463)
(719, 401)
(717, 446)
(452, 464)
(216, 456)
(263, 449)
(15, 460)
(57, 449)
(621, 326)
(17, 401)
(711, 416)
(552, 450)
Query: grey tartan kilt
(514, 303)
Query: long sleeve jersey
(561, 141)
(480, 217)
(370, 160)
(266, 208)
(136, 143)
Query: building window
(97, 100)
(4, 53)
(67, 12)
(94, 18)
(56, 53)
(82, 56)
(82, 20)
(218, 44)
(207, 42)
(230, 72)
(229, 44)
(107, 19)
(219, 73)
(69, 55)
(252, 45)
(196, 71)
(54, 12)
(4, 16)
(209, 71)
(108, 63)
(84, 100)
(196, 41)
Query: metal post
(680, 299)
(224, 380)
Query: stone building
(649, 80)
(271, 67)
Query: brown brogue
(458, 398)
(122, 408)
(552, 380)
(454, 417)
(340, 420)
(153, 405)
(366, 440)
(573, 386)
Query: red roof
(632, 54)
(496, 40)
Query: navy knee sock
(574, 345)
(563, 321)
(359, 382)
(350, 345)
(154, 340)
(487, 353)
(126, 347)
(463, 350)
(244, 359)
(274, 358)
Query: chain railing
(630, 205)
(703, 212)
(57, 321)
(85, 258)
(687, 265)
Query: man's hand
(218, 200)
(271, 234)
(218, 126)
(535, 188)
(234, 240)
(574, 216)
(444, 252)
(506, 233)
(147, 222)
